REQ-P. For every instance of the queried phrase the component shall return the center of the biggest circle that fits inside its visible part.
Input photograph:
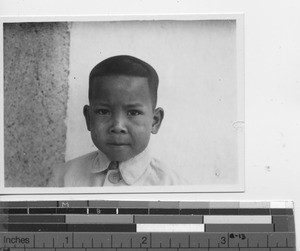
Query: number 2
(144, 240)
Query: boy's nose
(118, 126)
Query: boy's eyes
(105, 112)
(132, 113)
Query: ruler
(146, 225)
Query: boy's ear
(86, 112)
(157, 119)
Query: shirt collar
(131, 170)
(100, 163)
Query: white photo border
(238, 187)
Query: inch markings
(146, 226)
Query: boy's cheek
(97, 129)
(143, 122)
(141, 130)
(98, 123)
(143, 135)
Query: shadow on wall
(36, 68)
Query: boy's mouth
(117, 144)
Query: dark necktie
(113, 165)
(114, 176)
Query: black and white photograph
(123, 104)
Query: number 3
(223, 240)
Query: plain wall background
(272, 77)
(36, 69)
(197, 66)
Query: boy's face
(121, 116)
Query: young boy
(121, 116)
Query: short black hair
(127, 66)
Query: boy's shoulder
(160, 173)
(75, 170)
(84, 159)
(82, 164)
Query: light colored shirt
(92, 170)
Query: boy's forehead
(119, 83)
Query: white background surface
(198, 90)
(272, 77)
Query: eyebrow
(100, 104)
(134, 105)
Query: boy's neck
(141, 154)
